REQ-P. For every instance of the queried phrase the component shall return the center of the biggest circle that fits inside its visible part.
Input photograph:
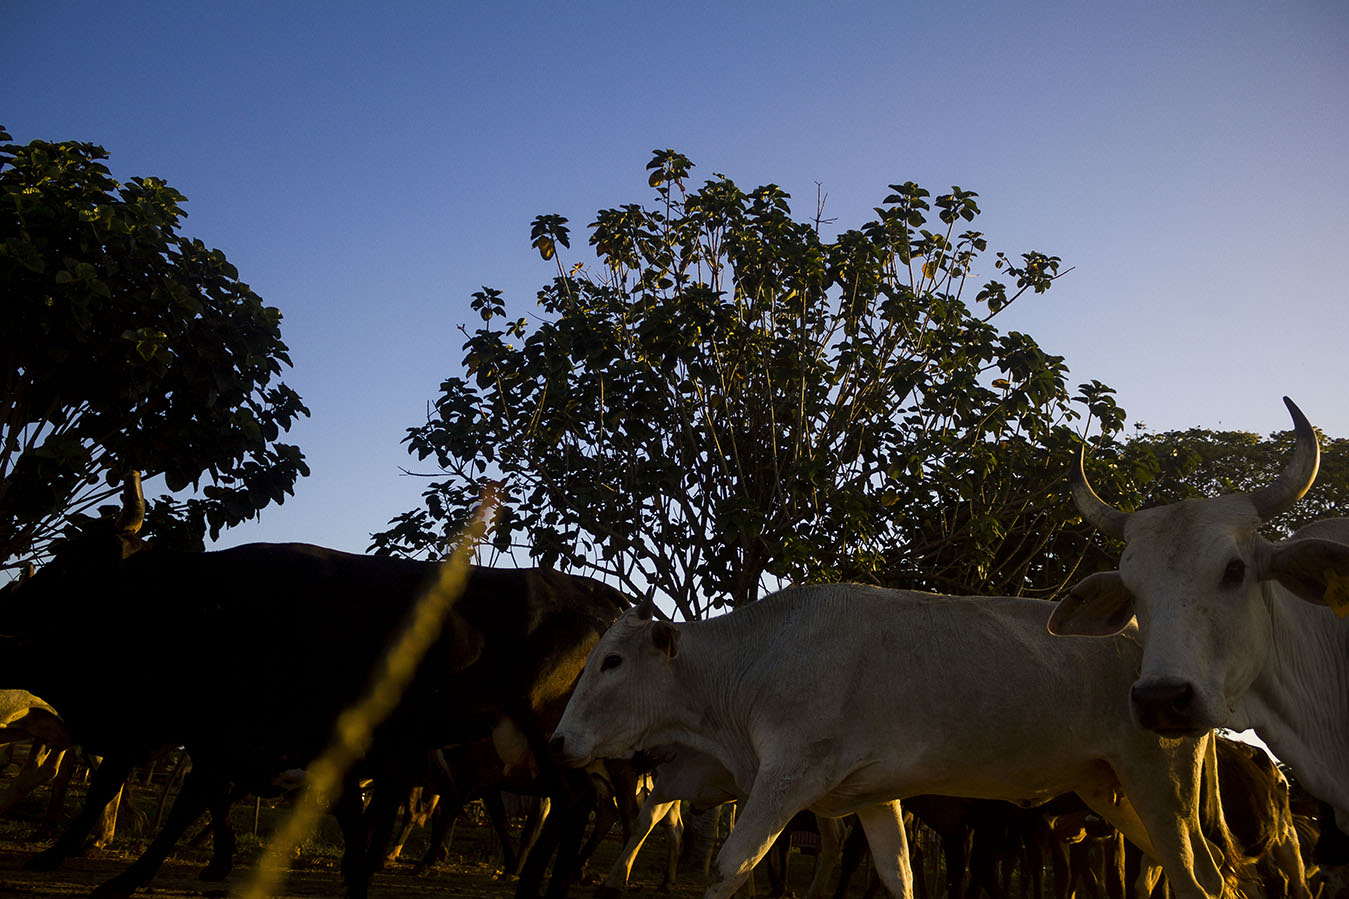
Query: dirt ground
(472, 871)
(462, 876)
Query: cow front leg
(512, 859)
(223, 842)
(652, 811)
(106, 783)
(569, 812)
(832, 833)
(674, 841)
(607, 814)
(1159, 814)
(379, 820)
(349, 812)
(764, 815)
(202, 788)
(884, 827)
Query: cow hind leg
(56, 803)
(511, 859)
(674, 838)
(405, 822)
(107, 822)
(1060, 865)
(1148, 876)
(530, 834)
(39, 768)
(956, 844)
(443, 817)
(983, 864)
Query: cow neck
(710, 671)
(1299, 703)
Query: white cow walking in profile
(845, 698)
(1237, 630)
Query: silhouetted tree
(127, 346)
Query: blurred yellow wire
(356, 724)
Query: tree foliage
(1176, 465)
(128, 346)
(728, 396)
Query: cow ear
(665, 636)
(1314, 569)
(45, 726)
(461, 641)
(1098, 606)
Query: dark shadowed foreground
(472, 871)
(178, 878)
(473, 868)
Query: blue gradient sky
(367, 168)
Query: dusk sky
(367, 167)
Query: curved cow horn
(1107, 519)
(1297, 478)
(644, 609)
(133, 505)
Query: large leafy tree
(128, 346)
(728, 397)
(1175, 465)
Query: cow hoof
(605, 892)
(1333, 846)
(46, 860)
(111, 890)
(214, 873)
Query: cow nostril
(1164, 704)
(1174, 696)
(1182, 699)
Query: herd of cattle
(841, 700)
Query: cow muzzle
(565, 751)
(1167, 706)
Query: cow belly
(1029, 783)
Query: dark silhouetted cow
(246, 657)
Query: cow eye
(611, 661)
(1235, 573)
